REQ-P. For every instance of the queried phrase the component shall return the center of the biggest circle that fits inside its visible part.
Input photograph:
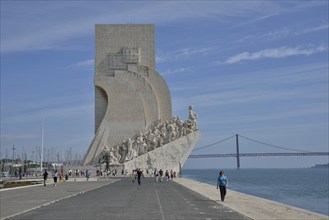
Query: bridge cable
(209, 145)
(275, 146)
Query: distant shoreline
(315, 166)
(321, 166)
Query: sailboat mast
(42, 134)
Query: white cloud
(285, 32)
(278, 34)
(269, 116)
(69, 106)
(178, 70)
(275, 53)
(56, 112)
(182, 54)
(257, 19)
(296, 83)
(248, 38)
(86, 63)
(21, 28)
(313, 29)
(242, 97)
(280, 8)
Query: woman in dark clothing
(45, 177)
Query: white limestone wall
(110, 38)
(167, 157)
(129, 96)
(161, 90)
(132, 105)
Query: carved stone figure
(151, 141)
(192, 116)
(171, 132)
(160, 141)
(161, 133)
(141, 145)
(130, 154)
(164, 133)
(123, 150)
(114, 155)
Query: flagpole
(42, 134)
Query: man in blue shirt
(222, 183)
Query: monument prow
(171, 156)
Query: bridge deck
(259, 154)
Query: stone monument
(133, 120)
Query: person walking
(160, 174)
(55, 177)
(139, 175)
(45, 177)
(87, 174)
(222, 183)
(133, 176)
(156, 174)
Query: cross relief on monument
(120, 59)
(130, 55)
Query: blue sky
(255, 68)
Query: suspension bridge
(237, 155)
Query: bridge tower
(237, 152)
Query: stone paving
(115, 198)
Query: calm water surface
(304, 188)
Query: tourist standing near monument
(222, 183)
(160, 175)
(87, 174)
(156, 175)
(139, 175)
(45, 177)
(55, 177)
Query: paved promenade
(254, 207)
(112, 199)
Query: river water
(306, 188)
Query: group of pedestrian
(159, 175)
(76, 172)
(56, 176)
(222, 180)
(45, 177)
(137, 174)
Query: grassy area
(12, 184)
